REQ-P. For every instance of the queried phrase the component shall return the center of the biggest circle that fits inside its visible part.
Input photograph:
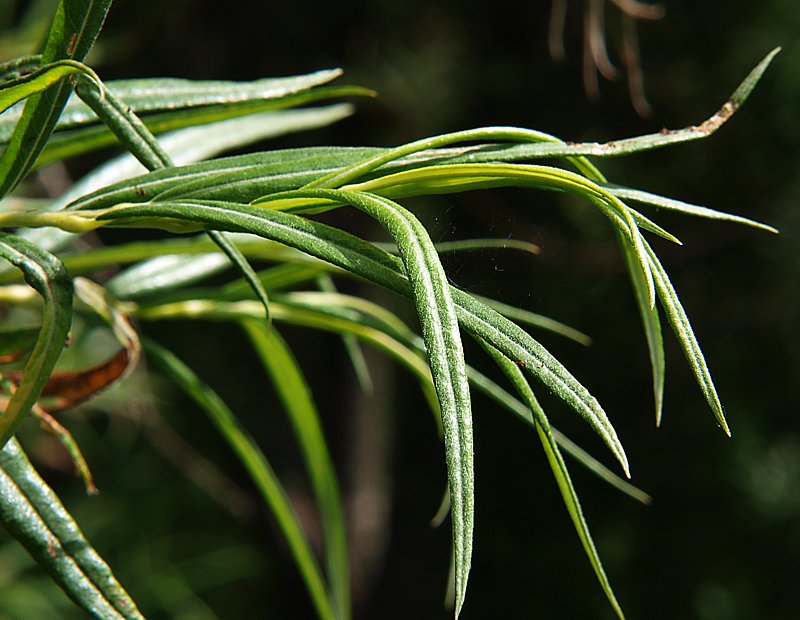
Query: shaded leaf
(45, 273)
(33, 514)
(290, 383)
(257, 466)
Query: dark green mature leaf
(33, 514)
(652, 328)
(45, 273)
(558, 466)
(680, 325)
(437, 316)
(75, 27)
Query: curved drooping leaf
(257, 466)
(652, 328)
(559, 468)
(39, 81)
(437, 316)
(364, 259)
(679, 322)
(45, 273)
(33, 514)
(75, 27)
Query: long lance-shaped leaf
(679, 206)
(536, 320)
(652, 327)
(559, 468)
(75, 26)
(515, 406)
(257, 466)
(374, 325)
(33, 514)
(295, 394)
(150, 95)
(437, 316)
(82, 140)
(679, 322)
(364, 259)
(45, 273)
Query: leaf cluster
(234, 211)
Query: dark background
(722, 537)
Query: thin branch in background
(640, 10)
(633, 67)
(555, 32)
(595, 53)
(595, 39)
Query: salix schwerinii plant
(232, 211)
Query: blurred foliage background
(177, 518)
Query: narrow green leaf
(34, 515)
(680, 325)
(515, 406)
(124, 124)
(45, 273)
(364, 259)
(686, 208)
(257, 466)
(558, 466)
(437, 316)
(165, 273)
(295, 394)
(152, 95)
(652, 327)
(244, 267)
(85, 139)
